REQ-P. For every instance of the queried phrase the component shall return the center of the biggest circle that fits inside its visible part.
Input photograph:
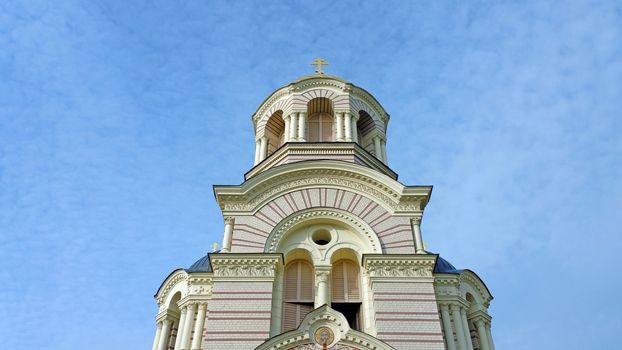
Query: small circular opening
(321, 237)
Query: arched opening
(365, 125)
(320, 120)
(345, 287)
(173, 310)
(275, 132)
(298, 292)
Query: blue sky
(116, 118)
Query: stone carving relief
(244, 268)
(397, 268)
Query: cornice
(169, 283)
(399, 265)
(257, 191)
(245, 265)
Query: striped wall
(239, 315)
(251, 232)
(407, 316)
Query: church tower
(322, 246)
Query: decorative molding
(170, 284)
(248, 268)
(398, 266)
(286, 224)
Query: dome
(201, 265)
(444, 266)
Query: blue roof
(444, 266)
(201, 265)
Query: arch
(320, 120)
(275, 132)
(303, 217)
(365, 130)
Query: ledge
(292, 152)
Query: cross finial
(214, 247)
(319, 62)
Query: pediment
(324, 328)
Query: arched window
(320, 120)
(365, 125)
(298, 293)
(275, 132)
(346, 293)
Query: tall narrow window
(346, 294)
(298, 293)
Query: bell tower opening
(320, 121)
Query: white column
(355, 120)
(449, 333)
(277, 305)
(286, 131)
(467, 331)
(489, 334)
(166, 329)
(302, 124)
(339, 127)
(226, 242)
(383, 146)
(368, 315)
(198, 327)
(455, 313)
(156, 340)
(377, 149)
(321, 297)
(263, 149)
(293, 124)
(180, 328)
(257, 151)
(185, 340)
(416, 224)
(347, 126)
(483, 338)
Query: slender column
(455, 313)
(226, 242)
(339, 127)
(180, 328)
(198, 327)
(347, 126)
(185, 340)
(321, 276)
(467, 331)
(483, 338)
(156, 340)
(286, 131)
(302, 124)
(383, 146)
(489, 334)
(449, 333)
(263, 148)
(293, 124)
(367, 309)
(355, 120)
(257, 151)
(416, 224)
(166, 329)
(277, 305)
(377, 149)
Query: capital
(322, 275)
(229, 220)
(416, 220)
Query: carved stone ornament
(180, 276)
(285, 225)
(400, 268)
(244, 267)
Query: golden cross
(214, 246)
(319, 62)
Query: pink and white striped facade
(322, 202)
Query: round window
(321, 237)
